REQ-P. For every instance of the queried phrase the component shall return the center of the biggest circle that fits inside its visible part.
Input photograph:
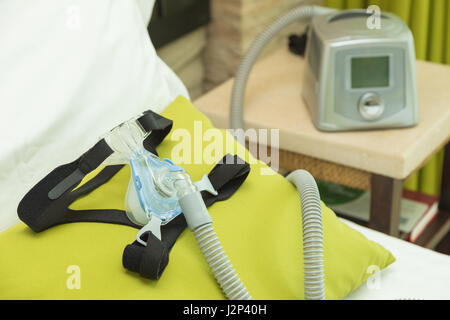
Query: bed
(418, 273)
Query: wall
(185, 57)
(234, 25)
(210, 55)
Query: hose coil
(219, 263)
(312, 234)
(240, 82)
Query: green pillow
(259, 227)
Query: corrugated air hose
(305, 183)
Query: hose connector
(194, 210)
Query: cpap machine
(358, 75)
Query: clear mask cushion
(155, 181)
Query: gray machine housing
(333, 41)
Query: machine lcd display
(370, 72)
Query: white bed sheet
(418, 273)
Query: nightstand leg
(444, 203)
(440, 226)
(386, 195)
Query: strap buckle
(205, 185)
(153, 225)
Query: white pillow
(70, 71)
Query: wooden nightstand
(377, 160)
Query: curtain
(429, 21)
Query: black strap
(88, 162)
(158, 125)
(226, 177)
(150, 261)
(47, 203)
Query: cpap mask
(156, 185)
